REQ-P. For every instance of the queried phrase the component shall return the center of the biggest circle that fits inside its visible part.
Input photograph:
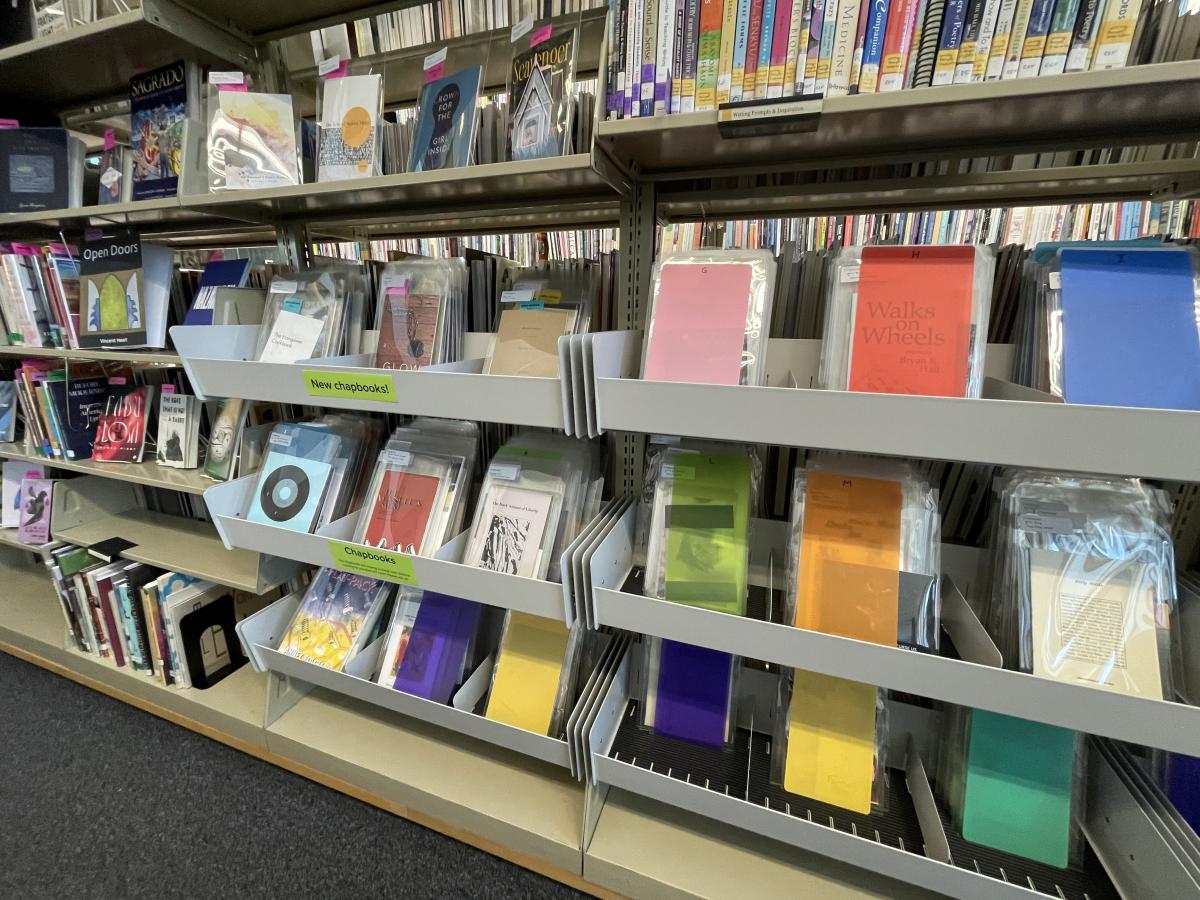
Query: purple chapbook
(34, 527)
(692, 701)
(433, 662)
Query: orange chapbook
(849, 585)
(912, 321)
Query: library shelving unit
(610, 810)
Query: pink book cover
(699, 327)
(779, 41)
(34, 528)
(104, 598)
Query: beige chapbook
(527, 342)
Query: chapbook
(540, 83)
(125, 287)
(400, 514)
(527, 342)
(348, 145)
(328, 625)
(225, 434)
(158, 107)
(251, 141)
(36, 496)
(294, 477)
(437, 649)
(692, 694)
(528, 669)
(510, 530)
(40, 168)
(217, 274)
(409, 329)
(1129, 329)
(15, 471)
(445, 129)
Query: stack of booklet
(333, 618)
(421, 313)
(542, 306)
(312, 314)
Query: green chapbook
(708, 521)
(1018, 792)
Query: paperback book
(540, 84)
(178, 431)
(36, 496)
(40, 168)
(121, 433)
(224, 436)
(125, 287)
(330, 622)
(158, 107)
(348, 143)
(251, 141)
(445, 130)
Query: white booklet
(511, 529)
(347, 141)
(293, 338)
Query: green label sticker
(373, 563)
(350, 387)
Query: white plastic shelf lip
(538, 746)
(1154, 723)
(1144, 442)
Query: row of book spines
(444, 19)
(50, 287)
(692, 55)
(1022, 225)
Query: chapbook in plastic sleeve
(347, 141)
(328, 626)
(527, 342)
(438, 648)
(251, 141)
(294, 478)
(709, 317)
(908, 320)
(540, 85)
(445, 129)
(529, 665)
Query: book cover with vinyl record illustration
(295, 474)
(446, 126)
(539, 88)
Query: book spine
(868, 80)
(828, 33)
(709, 53)
(860, 41)
(728, 37)
(633, 28)
(649, 56)
(842, 52)
(949, 41)
(691, 39)
(753, 36)
(678, 8)
(1116, 34)
(762, 75)
(1087, 23)
(1058, 41)
(616, 18)
(983, 44)
(812, 55)
(779, 47)
(663, 73)
(1035, 38)
(924, 12)
(1000, 40)
(740, 43)
(1012, 53)
(897, 42)
(964, 65)
(793, 71)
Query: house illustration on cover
(533, 136)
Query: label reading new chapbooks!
(912, 321)
(350, 387)
(373, 563)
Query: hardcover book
(539, 88)
(121, 434)
(348, 143)
(445, 129)
(158, 106)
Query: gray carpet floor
(102, 800)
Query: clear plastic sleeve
(421, 313)
(922, 326)
(304, 318)
(446, 118)
(709, 317)
(1083, 582)
(517, 518)
(541, 82)
(864, 553)
(251, 140)
(328, 627)
(348, 143)
(534, 677)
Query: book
(1087, 25)
(762, 72)
(50, 17)
(1035, 38)
(329, 624)
(125, 286)
(1002, 34)
(841, 59)
(294, 477)
(121, 432)
(528, 669)
(691, 697)
(678, 39)
(8, 411)
(445, 129)
(178, 431)
(14, 472)
(649, 51)
(21, 302)
(159, 103)
(983, 42)
(691, 51)
(950, 40)
(1115, 37)
(1016, 39)
(40, 168)
(779, 47)
(251, 141)
(208, 639)
(828, 35)
(897, 45)
(1129, 333)
(347, 136)
(708, 54)
(860, 40)
(399, 516)
(217, 273)
(877, 19)
(527, 342)
(539, 89)
(438, 647)
(225, 434)
(1058, 40)
(37, 494)
(664, 57)
(409, 328)
(729, 16)
(925, 46)
(753, 45)
(740, 44)
(510, 530)
(78, 404)
(112, 176)
(793, 72)
(815, 33)
(964, 63)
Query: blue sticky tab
(293, 305)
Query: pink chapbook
(699, 324)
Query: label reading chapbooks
(373, 562)
(912, 330)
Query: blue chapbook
(1130, 336)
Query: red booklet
(401, 512)
(121, 434)
(912, 323)
(408, 330)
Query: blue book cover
(218, 273)
(446, 124)
(291, 486)
(1130, 336)
(78, 405)
(873, 45)
(8, 411)
(33, 169)
(767, 35)
(952, 25)
(158, 103)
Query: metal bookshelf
(132, 357)
(638, 172)
(149, 474)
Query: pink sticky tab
(9, 123)
(110, 139)
(434, 72)
(24, 249)
(236, 88)
(63, 249)
(342, 70)
(540, 35)
(168, 388)
(118, 379)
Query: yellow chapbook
(831, 741)
(527, 672)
